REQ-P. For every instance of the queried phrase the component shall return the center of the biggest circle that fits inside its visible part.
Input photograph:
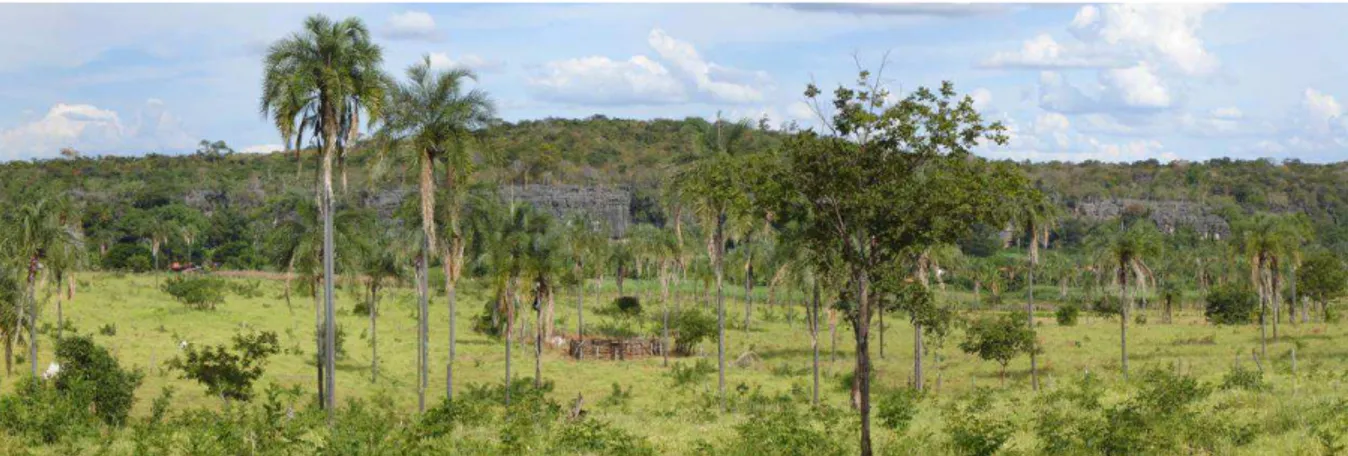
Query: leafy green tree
(1268, 240)
(1323, 278)
(334, 68)
(583, 242)
(382, 265)
(88, 370)
(888, 181)
(999, 339)
(229, 373)
(1231, 305)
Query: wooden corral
(614, 349)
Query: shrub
(41, 414)
(683, 374)
(897, 408)
(89, 372)
(1067, 314)
(591, 436)
(1246, 379)
(691, 327)
(229, 374)
(782, 430)
(198, 292)
(109, 329)
(128, 257)
(999, 339)
(976, 429)
(1108, 306)
(1231, 305)
(627, 305)
(617, 398)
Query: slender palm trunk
(580, 318)
(1029, 311)
(374, 330)
(510, 326)
(423, 308)
(538, 338)
(329, 275)
(452, 290)
(1263, 315)
(814, 343)
(32, 313)
(719, 252)
(319, 359)
(748, 291)
(664, 335)
(1123, 327)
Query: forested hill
(230, 194)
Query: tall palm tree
(544, 261)
(335, 68)
(1124, 251)
(1034, 214)
(40, 229)
(1268, 240)
(583, 241)
(709, 183)
(430, 118)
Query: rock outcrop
(1167, 215)
(609, 205)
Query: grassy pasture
(149, 326)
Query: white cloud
(600, 80)
(95, 130)
(1043, 51)
(642, 80)
(686, 58)
(1137, 86)
(442, 61)
(982, 98)
(800, 111)
(903, 9)
(1050, 122)
(1322, 107)
(1165, 31)
(411, 25)
(262, 149)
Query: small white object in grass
(52, 370)
(182, 345)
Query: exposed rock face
(1168, 215)
(612, 206)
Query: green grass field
(149, 325)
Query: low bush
(198, 292)
(1067, 314)
(1231, 305)
(229, 373)
(691, 327)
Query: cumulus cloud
(1043, 51)
(1166, 31)
(600, 80)
(95, 130)
(982, 98)
(1137, 86)
(642, 80)
(442, 61)
(686, 58)
(411, 25)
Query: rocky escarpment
(609, 205)
(1167, 215)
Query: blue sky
(1073, 82)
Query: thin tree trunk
(423, 306)
(1263, 315)
(374, 330)
(511, 304)
(452, 292)
(319, 359)
(1275, 295)
(1123, 328)
(863, 369)
(664, 291)
(538, 338)
(881, 315)
(32, 313)
(719, 250)
(1029, 311)
(814, 344)
(329, 255)
(748, 292)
